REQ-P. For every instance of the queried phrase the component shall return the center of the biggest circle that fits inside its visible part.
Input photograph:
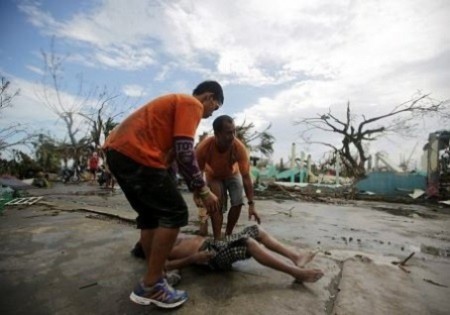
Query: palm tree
(246, 135)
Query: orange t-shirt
(146, 136)
(219, 166)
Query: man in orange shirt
(226, 164)
(139, 154)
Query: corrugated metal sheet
(390, 183)
(13, 182)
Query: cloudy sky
(278, 61)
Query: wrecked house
(437, 161)
(434, 180)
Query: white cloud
(259, 42)
(125, 58)
(27, 108)
(116, 29)
(134, 90)
(35, 69)
(374, 53)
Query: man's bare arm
(248, 188)
(197, 258)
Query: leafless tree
(103, 114)
(356, 131)
(5, 96)
(66, 108)
(11, 130)
(86, 116)
(101, 117)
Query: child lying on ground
(253, 242)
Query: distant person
(253, 242)
(105, 178)
(445, 160)
(225, 161)
(110, 181)
(139, 153)
(93, 166)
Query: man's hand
(211, 203)
(205, 198)
(252, 213)
(198, 200)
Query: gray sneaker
(173, 277)
(161, 294)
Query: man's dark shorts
(151, 192)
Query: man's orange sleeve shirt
(147, 135)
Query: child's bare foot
(304, 258)
(308, 275)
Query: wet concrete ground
(63, 256)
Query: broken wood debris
(23, 201)
(435, 283)
(288, 212)
(88, 285)
(401, 264)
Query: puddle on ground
(101, 193)
(96, 193)
(405, 212)
(431, 250)
(377, 245)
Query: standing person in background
(226, 164)
(139, 154)
(93, 167)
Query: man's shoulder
(205, 142)
(240, 146)
(176, 98)
(187, 99)
(239, 142)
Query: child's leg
(265, 257)
(299, 259)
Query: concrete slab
(363, 287)
(59, 262)
(69, 254)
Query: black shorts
(151, 192)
